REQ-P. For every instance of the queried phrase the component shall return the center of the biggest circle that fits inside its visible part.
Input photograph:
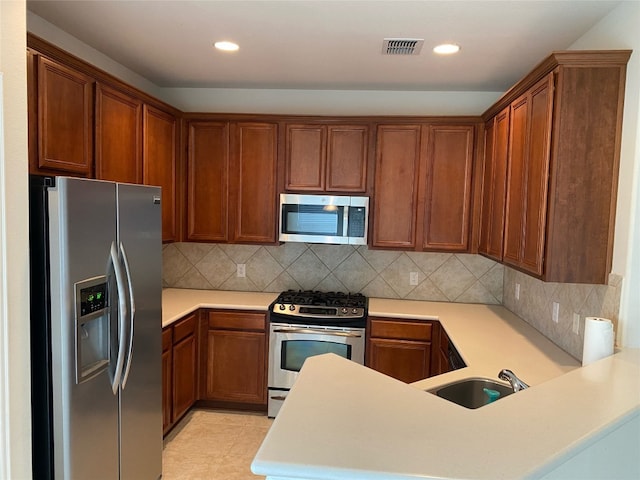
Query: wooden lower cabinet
(236, 358)
(179, 369)
(402, 348)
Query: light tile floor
(213, 445)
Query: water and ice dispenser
(91, 327)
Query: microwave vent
(402, 46)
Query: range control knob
(292, 307)
(281, 307)
(354, 311)
(345, 310)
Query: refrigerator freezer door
(82, 226)
(139, 236)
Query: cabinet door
(253, 192)
(515, 201)
(159, 163)
(118, 136)
(184, 375)
(527, 182)
(537, 175)
(32, 109)
(407, 361)
(347, 155)
(397, 171)
(65, 119)
(448, 188)
(494, 185)
(305, 157)
(236, 366)
(208, 181)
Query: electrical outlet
(413, 278)
(576, 323)
(241, 270)
(517, 291)
(556, 311)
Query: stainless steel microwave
(324, 219)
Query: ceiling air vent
(402, 46)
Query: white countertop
(178, 302)
(345, 421)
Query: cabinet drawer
(167, 339)
(185, 327)
(400, 330)
(237, 320)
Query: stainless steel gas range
(308, 323)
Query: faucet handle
(509, 376)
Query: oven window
(295, 352)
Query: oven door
(290, 345)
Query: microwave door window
(295, 352)
(313, 220)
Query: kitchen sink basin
(473, 392)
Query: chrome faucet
(510, 377)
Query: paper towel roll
(598, 339)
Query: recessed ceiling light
(446, 49)
(226, 46)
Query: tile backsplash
(386, 274)
(535, 306)
(441, 277)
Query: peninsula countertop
(345, 421)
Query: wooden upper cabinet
(305, 157)
(423, 172)
(65, 119)
(118, 130)
(516, 194)
(564, 148)
(208, 181)
(585, 155)
(347, 158)
(253, 186)
(447, 206)
(326, 158)
(494, 185)
(527, 184)
(159, 163)
(396, 186)
(537, 175)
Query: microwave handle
(345, 222)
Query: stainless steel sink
(473, 392)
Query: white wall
(621, 30)
(15, 411)
(273, 101)
(329, 102)
(49, 32)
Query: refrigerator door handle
(122, 318)
(132, 314)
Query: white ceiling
(326, 44)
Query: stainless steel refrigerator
(95, 253)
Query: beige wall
(15, 412)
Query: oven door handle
(317, 332)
